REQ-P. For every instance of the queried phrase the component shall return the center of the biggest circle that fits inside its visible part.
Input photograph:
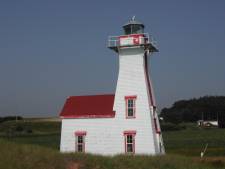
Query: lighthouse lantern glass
(133, 29)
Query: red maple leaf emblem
(136, 40)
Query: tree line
(10, 118)
(192, 110)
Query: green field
(192, 141)
(44, 133)
(38, 141)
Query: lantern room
(134, 36)
(133, 27)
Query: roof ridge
(113, 94)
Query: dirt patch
(73, 165)
(213, 161)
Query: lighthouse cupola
(133, 27)
(133, 37)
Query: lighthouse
(134, 85)
(126, 121)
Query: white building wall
(105, 135)
(132, 81)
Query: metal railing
(114, 41)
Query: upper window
(80, 141)
(130, 106)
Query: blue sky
(50, 50)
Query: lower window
(80, 141)
(129, 141)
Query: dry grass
(19, 156)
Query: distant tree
(194, 109)
(10, 118)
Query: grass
(39, 149)
(47, 140)
(42, 133)
(17, 156)
(192, 141)
(37, 127)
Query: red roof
(95, 106)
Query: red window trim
(129, 132)
(126, 133)
(133, 97)
(80, 133)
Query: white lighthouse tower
(134, 97)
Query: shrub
(19, 128)
(29, 131)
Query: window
(80, 141)
(129, 137)
(130, 106)
(137, 29)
